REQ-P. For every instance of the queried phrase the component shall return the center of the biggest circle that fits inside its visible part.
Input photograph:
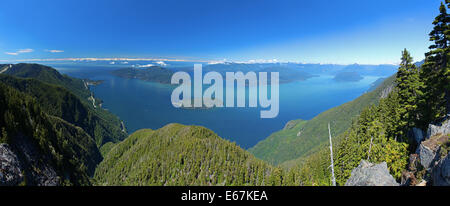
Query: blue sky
(319, 31)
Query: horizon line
(257, 61)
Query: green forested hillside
(49, 75)
(66, 98)
(185, 155)
(50, 150)
(307, 136)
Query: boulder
(10, 170)
(439, 128)
(441, 172)
(427, 156)
(369, 174)
(428, 150)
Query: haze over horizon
(324, 32)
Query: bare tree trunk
(370, 148)
(333, 180)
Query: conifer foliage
(436, 72)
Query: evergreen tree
(435, 71)
(409, 88)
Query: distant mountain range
(163, 75)
(288, 72)
(151, 74)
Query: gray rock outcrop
(10, 170)
(427, 156)
(386, 91)
(37, 166)
(441, 172)
(429, 150)
(369, 174)
(440, 128)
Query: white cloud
(218, 61)
(161, 63)
(253, 61)
(147, 65)
(24, 51)
(20, 51)
(112, 59)
(54, 51)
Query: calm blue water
(147, 105)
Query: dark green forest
(186, 155)
(65, 97)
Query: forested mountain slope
(41, 149)
(306, 137)
(185, 155)
(49, 75)
(65, 97)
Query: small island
(348, 77)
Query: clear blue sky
(347, 31)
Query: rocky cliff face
(15, 162)
(386, 91)
(439, 128)
(10, 170)
(36, 165)
(429, 150)
(432, 155)
(441, 172)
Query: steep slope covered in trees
(49, 75)
(307, 136)
(185, 155)
(50, 150)
(65, 97)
